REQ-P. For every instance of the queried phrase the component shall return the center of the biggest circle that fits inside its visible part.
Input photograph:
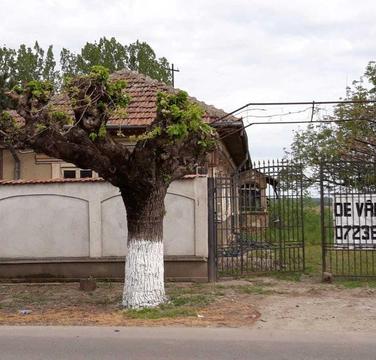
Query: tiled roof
(49, 181)
(61, 181)
(142, 107)
(143, 92)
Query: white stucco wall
(75, 219)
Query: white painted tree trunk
(144, 274)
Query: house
(58, 221)
(232, 151)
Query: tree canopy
(349, 138)
(174, 144)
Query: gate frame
(298, 244)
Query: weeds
(181, 304)
(163, 311)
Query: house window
(86, 173)
(69, 174)
(76, 173)
(250, 198)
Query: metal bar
(302, 215)
(212, 268)
(322, 218)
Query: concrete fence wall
(62, 222)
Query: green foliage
(101, 134)
(177, 131)
(142, 58)
(61, 117)
(17, 89)
(354, 137)
(6, 119)
(156, 131)
(93, 136)
(8, 125)
(41, 90)
(22, 65)
(118, 96)
(40, 128)
(113, 55)
(184, 119)
(102, 131)
(18, 66)
(99, 73)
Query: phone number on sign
(356, 232)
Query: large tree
(173, 145)
(347, 140)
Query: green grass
(359, 283)
(351, 262)
(313, 259)
(183, 302)
(163, 311)
(197, 300)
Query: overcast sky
(229, 52)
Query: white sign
(355, 220)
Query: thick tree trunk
(144, 267)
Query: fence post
(302, 213)
(212, 268)
(322, 219)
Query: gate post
(212, 246)
(322, 219)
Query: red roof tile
(142, 107)
(61, 181)
(50, 181)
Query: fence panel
(258, 220)
(348, 218)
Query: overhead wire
(293, 122)
(313, 109)
(296, 103)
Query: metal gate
(348, 218)
(256, 220)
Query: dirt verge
(260, 302)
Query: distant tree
(351, 137)
(25, 63)
(20, 66)
(7, 75)
(142, 58)
(110, 53)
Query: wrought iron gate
(348, 218)
(256, 222)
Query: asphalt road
(76, 343)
